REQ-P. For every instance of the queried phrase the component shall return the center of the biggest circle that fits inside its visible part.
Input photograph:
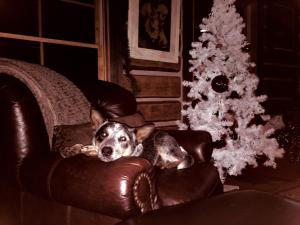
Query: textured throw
(60, 101)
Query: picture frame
(154, 34)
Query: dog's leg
(188, 160)
(71, 151)
(90, 150)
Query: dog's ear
(96, 118)
(143, 132)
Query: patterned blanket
(60, 101)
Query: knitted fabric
(60, 101)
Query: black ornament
(220, 84)
(234, 95)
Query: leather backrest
(23, 132)
(110, 99)
(22, 128)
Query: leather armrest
(197, 143)
(116, 188)
(179, 186)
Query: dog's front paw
(90, 150)
(71, 151)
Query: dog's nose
(107, 151)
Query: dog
(113, 140)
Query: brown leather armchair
(247, 207)
(38, 186)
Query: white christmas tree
(223, 100)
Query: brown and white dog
(113, 140)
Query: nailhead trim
(139, 203)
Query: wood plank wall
(160, 96)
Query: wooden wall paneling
(279, 70)
(277, 87)
(167, 127)
(281, 93)
(154, 65)
(277, 67)
(158, 83)
(160, 111)
(279, 31)
(278, 105)
(157, 86)
(284, 76)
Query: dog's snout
(107, 151)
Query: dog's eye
(122, 139)
(103, 134)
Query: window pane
(19, 16)
(68, 21)
(78, 64)
(22, 50)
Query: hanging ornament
(247, 47)
(220, 83)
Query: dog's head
(115, 140)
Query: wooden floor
(284, 180)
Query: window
(65, 35)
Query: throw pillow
(68, 139)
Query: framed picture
(153, 32)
